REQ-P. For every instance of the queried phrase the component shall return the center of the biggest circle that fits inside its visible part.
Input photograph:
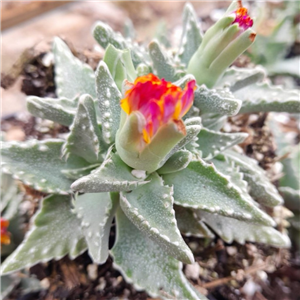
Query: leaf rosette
(149, 152)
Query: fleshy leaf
(295, 222)
(60, 110)
(291, 161)
(261, 189)
(150, 208)
(9, 191)
(161, 62)
(234, 230)
(143, 263)
(182, 82)
(291, 168)
(85, 136)
(263, 97)
(191, 35)
(213, 121)
(237, 78)
(234, 5)
(283, 141)
(104, 35)
(74, 174)
(189, 224)
(112, 176)
(55, 233)
(72, 77)
(227, 167)
(142, 70)
(162, 34)
(96, 212)
(267, 50)
(193, 112)
(220, 102)
(108, 101)
(38, 164)
(285, 66)
(12, 207)
(176, 162)
(129, 30)
(201, 186)
(192, 127)
(8, 284)
(120, 65)
(211, 143)
(291, 198)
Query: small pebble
(231, 250)
(194, 246)
(45, 283)
(245, 263)
(193, 271)
(92, 270)
(117, 281)
(240, 274)
(250, 288)
(262, 275)
(102, 284)
(15, 134)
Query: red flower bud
(242, 18)
(159, 101)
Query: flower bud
(221, 45)
(151, 122)
(5, 235)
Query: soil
(222, 272)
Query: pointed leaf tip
(143, 263)
(150, 208)
(112, 176)
(96, 212)
(72, 77)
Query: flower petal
(159, 101)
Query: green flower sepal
(151, 126)
(149, 157)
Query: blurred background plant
(13, 215)
(288, 152)
(277, 42)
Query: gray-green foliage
(271, 50)
(10, 196)
(289, 183)
(143, 263)
(71, 71)
(208, 183)
(96, 212)
(191, 35)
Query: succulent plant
(140, 150)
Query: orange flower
(159, 101)
(5, 235)
(242, 18)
